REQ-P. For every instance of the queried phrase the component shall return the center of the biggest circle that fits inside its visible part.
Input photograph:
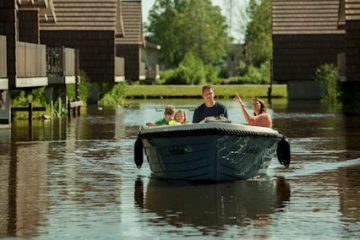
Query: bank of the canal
(194, 91)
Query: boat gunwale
(205, 129)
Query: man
(210, 108)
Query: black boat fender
(138, 152)
(283, 152)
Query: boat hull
(217, 157)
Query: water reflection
(213, 206)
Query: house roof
(83, 15)
(132, 22)
(352, 10)
(45, 7)
(306, 17)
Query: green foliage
(193, 26)
(248, 74)
(258, 32)
(327, 76)
(22, 98)
(84, 88)
(190, 71)
(115, 96)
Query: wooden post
(68, 108)
(30, 113)
(77, 72)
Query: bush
(252, 75)
(84, 88)
(327, 76)
(21, 98)
(192, 71)
(115, 96)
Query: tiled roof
(352, 9)
(83, 15)
(306, 17)
(132, 22)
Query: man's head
(169, 113)
(208, 95)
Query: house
(91, 26)
(22, 58)
(306, 34)
(349, 20)
(130, 43)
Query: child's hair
(169, 110)
(185, 117)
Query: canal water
(76, 179)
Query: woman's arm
(243, 109)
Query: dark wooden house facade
(306, 34)
(350, 16)
(90, 26)
(130, 43)
(25, 57)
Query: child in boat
(180, 117)
(168, 118)
(261, 118)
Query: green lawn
(194, 91)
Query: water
(76, 180)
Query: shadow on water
(211, 207)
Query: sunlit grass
(193, 91)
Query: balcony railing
(119, 67)
(3, 64)
(30, 60)
(61, 61)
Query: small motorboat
(213, 150)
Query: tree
(182, 26)
(258, 33)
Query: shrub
(21, 98)
(191, 70)
(115, 96)
(327, 76)
(84, 88)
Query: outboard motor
(283, 152)
(138, 152)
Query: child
(168, 118)
(180, 117)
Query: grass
(194, 91)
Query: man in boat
(210, 108)
(168, 118)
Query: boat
(212, 150)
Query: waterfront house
(305, 36)
(90, 26)
(24, 66)
(129, 44)
(349, 60)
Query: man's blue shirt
(202, 111)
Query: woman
(261, 118)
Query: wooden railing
(60, 61)
(119, 67)
(3, 64)
(30, 60)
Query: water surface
(76, 179)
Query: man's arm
(225, 112)
(196, 116)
